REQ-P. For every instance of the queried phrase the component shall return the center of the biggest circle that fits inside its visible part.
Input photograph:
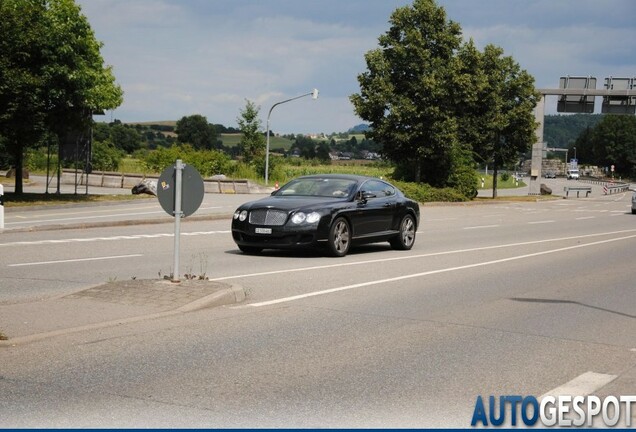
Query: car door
(374, 213)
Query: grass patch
(34, 199)
(275, 142)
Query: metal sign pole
(177, 217)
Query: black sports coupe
(331, 211)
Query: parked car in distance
(634, 202)
(573, 174)
(333, 212)
(550, 174)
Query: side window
(379, 188)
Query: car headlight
(313, 217)
(240, 215)
(301, 217)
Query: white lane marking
(93, 239)
(583, 385)
(75, 260)
(541, 222)
(481, 226)
(82, 218)
(94, 216)
(586, 217)
(85, 212)
(383, 260)
(428, 273)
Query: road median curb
(222, 295)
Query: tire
(250, 250)
(339, 238)
(406, 237)
(633, 211)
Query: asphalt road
(509, 298)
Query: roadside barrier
(127, 181)
(610, 188)
(577, 189)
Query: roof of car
(340, 176)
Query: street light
(313, 94)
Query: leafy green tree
(52, 74)
(306, 146)
(252, 144)
(106, 157)
(22, 81)
(196, 130)
(322, 152)
(584, 147)
(500, 120)
(614, 143)
(435, 103)
(125, 138)
(405, 93)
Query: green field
(232, 140)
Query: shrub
(36, 159)
(106, 157)
(207, 162)
(465, 181)
(422, 192)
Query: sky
(175, 58)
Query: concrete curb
(231, 295)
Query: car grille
(268, 217)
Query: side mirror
(363, 196)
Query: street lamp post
(313, 94)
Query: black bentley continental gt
(330, 211)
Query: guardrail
(578, 190)
(610, 188)
(119, 180)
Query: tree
(613, 142)
(435, 102)
(196, 130)
(322, 152)
(22, 82)
(405, 94)
(500, 121)
(252, 144)
(125, 138)
(306, 146)
(51, 72)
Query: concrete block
(112, 181)
(95, 180)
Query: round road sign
(191, 190)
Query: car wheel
(339, 238)
(633, 211)
(406, 237)
(250, 250)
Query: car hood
(293, 203)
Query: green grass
(130, 165)
(232, 140)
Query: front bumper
(281, 237)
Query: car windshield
(318, 187)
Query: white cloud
(175, 58)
